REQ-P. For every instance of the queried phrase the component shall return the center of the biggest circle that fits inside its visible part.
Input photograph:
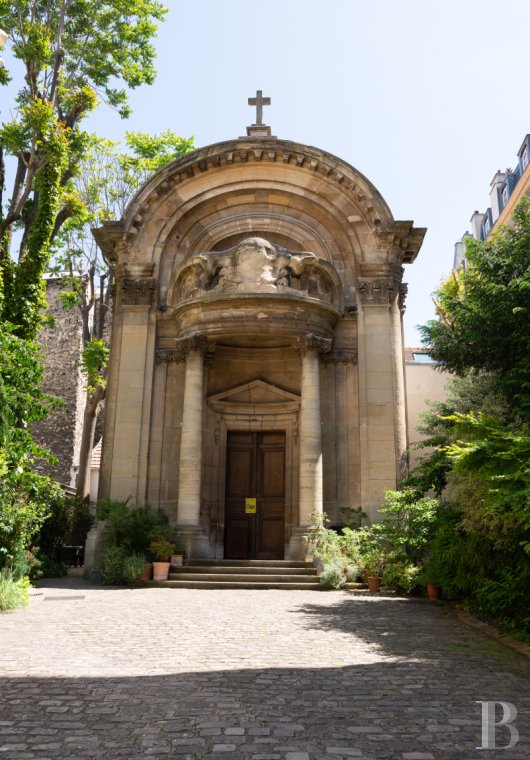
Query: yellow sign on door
(250, 506)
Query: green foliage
(324, 543)
(115, 513)
(113, 571)
(121, 566)
(25, 496)
(133, 566)
(72, 54)
(485, 311)
(352, 517)
(67, 522)
(408, 522)
(143, 524)
(506, 597)
(14, 592)
(133, 528)
(332, 575)
(94, 357)
(479, 552)
(495, 459)
(373, 561)
(399, 574)
(161, 548)
(48, 568)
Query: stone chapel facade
(257, 369)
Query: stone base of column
(94, 551)
(194, 542)
(298, 548)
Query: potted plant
(373, 563)
(431, 575)
(177, 558)
(162, 549)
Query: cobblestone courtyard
(92, 672)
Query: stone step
(247, 563)
(223, 584)
(256, 577)
(242, 569)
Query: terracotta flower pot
(147, 573)
(374, 583)
(160, 571)
(433, 592)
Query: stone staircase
(244, 574)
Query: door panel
(255, 469)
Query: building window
(486, 225)
(524, 157)
(505, 195)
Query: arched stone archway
(247, 266)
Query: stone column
(400, 394)
(381, 388)
(127, 407)
(310, 435)
(190, 461)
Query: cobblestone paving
(91, 672)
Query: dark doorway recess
(255, 470)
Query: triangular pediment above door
(256, 393)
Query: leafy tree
(108, 178)
(24, 494)
(74, 53)
(485, 312)
(481, 434)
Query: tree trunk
(87, 440)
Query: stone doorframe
(282, 415)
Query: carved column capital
(312, 342)
(178, 354)
(346, 356)
(403, 291)
(136, 291)
(377, 292)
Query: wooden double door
(255, 495)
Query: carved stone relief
(182, 348)
(256, 266)
(377, 292)
(136, 292)
(312, 342)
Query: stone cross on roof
(259, 129)
(259, 101)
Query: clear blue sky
(426, 98)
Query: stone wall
(61, 346)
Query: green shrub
(352, 573)
(14, 592)
(400, 575)
(50, 568)
(133, 566)
(409, 522)
(113, 572)
(140, 526)
(332, 575)
(323, 542)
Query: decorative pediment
(257, 396)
